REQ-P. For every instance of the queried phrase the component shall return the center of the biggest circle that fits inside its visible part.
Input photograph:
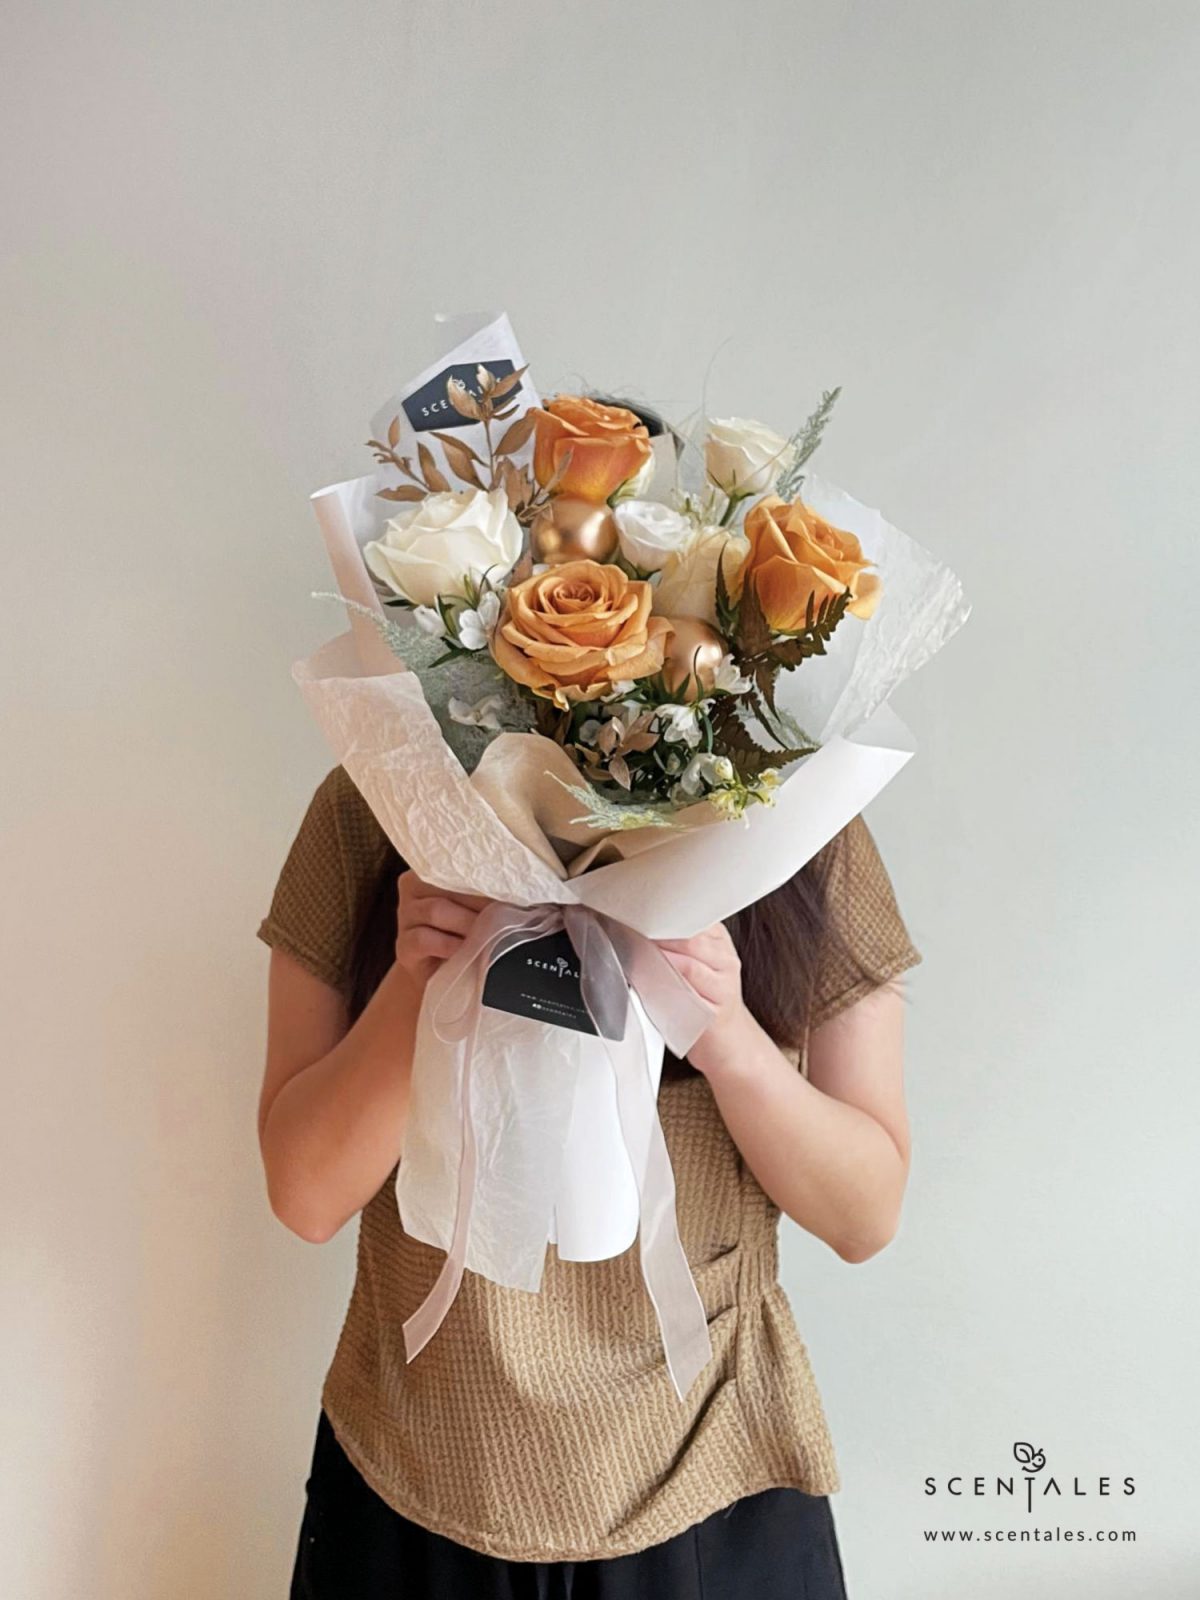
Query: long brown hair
(780, 940)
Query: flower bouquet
(621, 679)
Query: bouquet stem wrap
(613, 958)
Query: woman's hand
(431, 925)
(710, 963)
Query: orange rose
(794, 555)
(571, 632)
(608, 445)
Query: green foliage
(806, 441)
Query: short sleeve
(328, 877)
(867, 943)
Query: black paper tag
(429, 407)
(540, 979)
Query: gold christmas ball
(693, 649)
(570, 529)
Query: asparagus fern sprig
(806, 440)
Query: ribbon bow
(613, 958)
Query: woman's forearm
(334, 1130)
(828, 1165)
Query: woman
(536, 1445)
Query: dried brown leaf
(556, 477)
(450, 438)
(430, 471)
(514, 438)
(753, 631)
(517, 485)
(507, 385)
(459, 459)
(463, 401)
(406, 491)
(394, 432)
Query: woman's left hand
(710, 963)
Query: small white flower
(679, 725)
(729, 803)
(429, 620)
(475, 627)
(706, 771)
(727, 679)
(483, 714)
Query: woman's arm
(334, 1099)
(832, 1150)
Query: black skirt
(771, 1545)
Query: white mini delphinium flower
(734, 799)
(475, 626)
(727, 679)
(429, 620)
(483, 714)
(679, 725)
(706, 771)
(728, 803)
(764, 787)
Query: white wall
(225, 229)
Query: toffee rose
(795, 555)
(572, 632)
(608, 446)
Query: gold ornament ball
(693, 649)
(570, 529)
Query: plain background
(226, 228)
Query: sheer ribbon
(613, 959)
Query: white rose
(687, 585)
(745, 457)
(639, 483)
(430, 549)
(649, 532)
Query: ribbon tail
(425, 1321)
(496, 929)
(682, 1319)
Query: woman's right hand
(431, 925)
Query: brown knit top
(542, 1427)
